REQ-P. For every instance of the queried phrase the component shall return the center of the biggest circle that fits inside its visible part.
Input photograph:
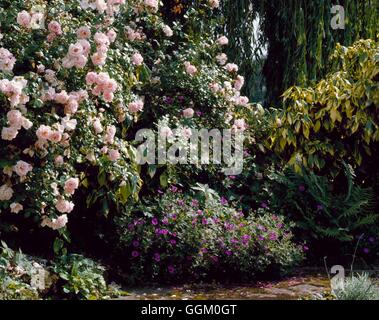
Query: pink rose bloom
(223, 41)
(96, 91)
(58, 160)
(51, 37)
(214, 3)
(22, 168)
(24, 19)
(110, 134)
(102, 49)
(112, 35)
(137, 59)
(26, 124)
(108, 96)
(238, 84)
(102, 78)
(152, 4)
(71, 185)
(69, 124)
(215, 87)
(6, 193)
(101, 39)
(167, 31)
(86, 46)
(15, 119)
(55, 27)
(59, 222)
(91, 78)
(113, 154)
(242, 101)
(9, 133)
(98, 59)
(80, 62)
(62, 97)
(101, 6)
(188, 113)
(64, 206)
(97, 126)
(16, 207)
(43, 132)
(111, 85)
(222, 58)
(55, 136)
(135, 106)
(190, 69)
(75, 50)
(71, 107)
(83, 32)
(231, 67)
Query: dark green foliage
(298, 35)
(325, 209)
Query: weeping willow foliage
(298, 36)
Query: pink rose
(222, 58)
(91, 78)
(101, 39)
(24, 19)
(59, 222)
(16, 207)
(55, 136)
(71, 185)
(22, 168)
(98, 59)
(97, 126)
(167, 31)
(15, 118)
(58, 160)
(6, 193)
(111, 34)
(223, 41)
(43, 132)
(188, 113)
(135, 106)
(9, 133)
(190, 69)
(231, 67)
(242, 101)
(113, 154)
(83, 32)
(64, 206)
(55, 27)
(151, 4)
(214, 3)
(137, 59)
(108, 96)
(75, 50)
(62, 97)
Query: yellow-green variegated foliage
(337, 119)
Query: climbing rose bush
(77, 78)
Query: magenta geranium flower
(154, 221)
(171, 269)
(135, 254)
(157, 257)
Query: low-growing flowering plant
(183, 236)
